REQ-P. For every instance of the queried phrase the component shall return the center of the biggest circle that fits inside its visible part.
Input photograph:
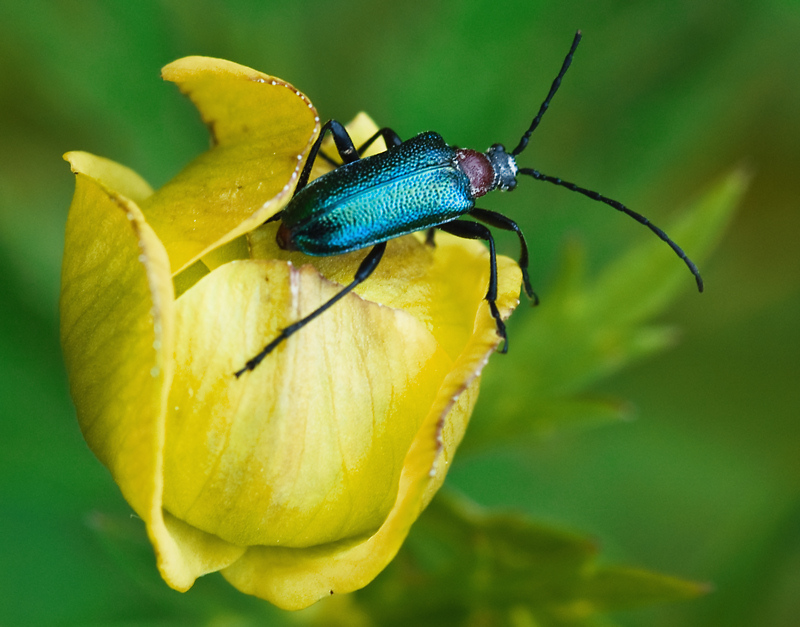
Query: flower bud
(300, 478)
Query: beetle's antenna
(553, 89)
(620, 207)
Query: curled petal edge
(261, 129)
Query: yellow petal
(189, 276)
(116, 331)
(309, 447)
(294, 578)
(110, 174)
(262, 128)
(442, 287)
(233, 250)
(117, 335)
(459, 392)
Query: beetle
(415, 185)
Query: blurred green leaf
(613, 588)
(212, 601)
(588, 329)
(463, 565)
(552, 416)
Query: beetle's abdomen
(409, 188)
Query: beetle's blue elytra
(409, 188)
(419, 184)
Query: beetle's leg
(391, 138)
(473, 230)
(366, 268)
(330, 160)
(430, 240)
(347, 151)
(344, 145)
(498, 220)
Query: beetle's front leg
(473, 230)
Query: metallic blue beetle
(419, 184)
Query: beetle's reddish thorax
(478, 169)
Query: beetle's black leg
(344, 145)
(473, 230)
(430, 240)
(391, 138)
(330, 160)
(498, 220)
(366, 268)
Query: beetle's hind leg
(473, 230)
(344, 146)
(391, 139)
(366, 268)
(498, 220)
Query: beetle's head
(504, 166)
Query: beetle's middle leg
(366, 268)
(498, 220)
(473, 230)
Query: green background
(663, 98)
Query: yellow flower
(302, 478)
